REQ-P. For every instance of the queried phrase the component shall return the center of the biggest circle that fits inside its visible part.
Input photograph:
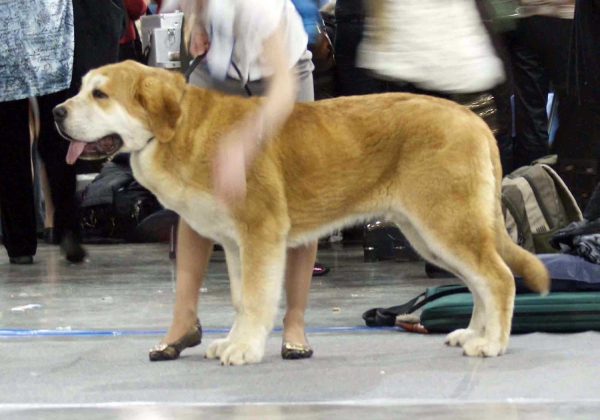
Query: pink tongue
(75, 150)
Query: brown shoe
(164, 352)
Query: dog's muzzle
(94, 150)
(86, 150)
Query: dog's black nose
(60, 113)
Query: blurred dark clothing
(62, 178)
(539, 53)
(350, 80)
(99, 26)
(577, 141)
(584, 59)
(348, 10)
(16, 191)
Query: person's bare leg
(49, 205)
(299, 270)
(193, 255)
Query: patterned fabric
(588, 247)
(557, 8)
(36, 52)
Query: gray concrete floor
(56, 365)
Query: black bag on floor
(384, 241)
(114, 205)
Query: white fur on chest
(199, 209)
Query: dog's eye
(98, 94)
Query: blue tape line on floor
(115, 333)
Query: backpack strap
(386, 317)
(572, 210)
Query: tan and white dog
(428, 164)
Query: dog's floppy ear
(161, 100)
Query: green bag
(557, 312)
(535, 204)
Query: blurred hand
(235, 153)
(198, 40)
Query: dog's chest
(200, 210)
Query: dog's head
(120, 107)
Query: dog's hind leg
(234, 269)
(465, 245)
(493, 282)
(262, 271)
(476, 327)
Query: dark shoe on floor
(165, 352)
(71, 247)
(320, 269)
(23, 260)
(294, 351)
(51, 236)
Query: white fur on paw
(459, 337)
(482, 347)
(217, 347)
(242, 353)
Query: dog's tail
(521, 262)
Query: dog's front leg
(263, 270)
(234, 269)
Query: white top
(238, 29)
(438, 45)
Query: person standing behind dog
(539, 50)
(46, 58)
(257, 47)
(98, 25)
(36, 59)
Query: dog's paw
(458, 338)
(217, 347)
(243, 353)
(482, 347)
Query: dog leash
(196, 62)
